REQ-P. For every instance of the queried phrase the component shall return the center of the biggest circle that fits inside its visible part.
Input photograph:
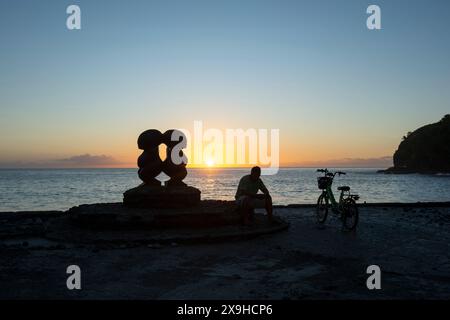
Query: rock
(176, 172)
(426, 150)
(148, 196)
(151, 194)
(149, 162)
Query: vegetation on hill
(425, 150)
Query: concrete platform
(62, 230)
(206, 214)
(114, 223)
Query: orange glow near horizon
(294, 151)
(291, 155)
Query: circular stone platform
(208, 213)
(114, 223)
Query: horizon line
(202, 168)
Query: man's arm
(245, 192)
(263, 188)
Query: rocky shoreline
(394, 170)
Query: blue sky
(310, 68)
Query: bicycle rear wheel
(350, 214)
(322, 208)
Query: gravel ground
(307, 261)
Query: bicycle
(346, 208)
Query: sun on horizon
(209, 163)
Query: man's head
(255, 173)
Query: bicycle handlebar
(331, 174)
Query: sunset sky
(339, 93)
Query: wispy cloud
(381, 162)
(89, 160)
(78, 161)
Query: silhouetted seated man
(247, 197)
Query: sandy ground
(308, 261)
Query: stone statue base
(116, 216)
(149, 196)
(113, 224)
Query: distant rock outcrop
(426, 150)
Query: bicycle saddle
(344, 188)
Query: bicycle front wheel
(322, 208)
(350, 214)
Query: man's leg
(269, 207)
(245, 210)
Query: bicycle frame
(336, 206)
(345, 207)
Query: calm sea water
(60, 189)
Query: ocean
(60, 189)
